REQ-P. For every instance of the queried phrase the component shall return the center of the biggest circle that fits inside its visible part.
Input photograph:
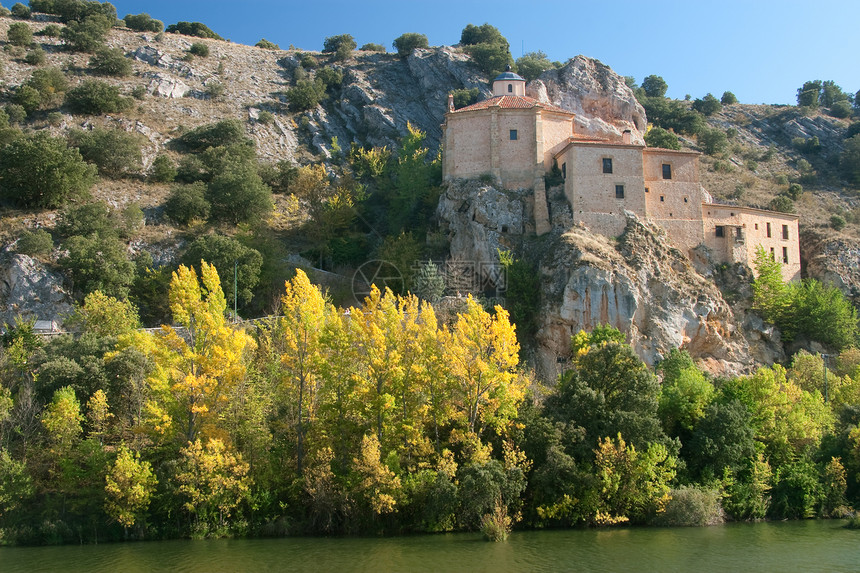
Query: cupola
(509, 83)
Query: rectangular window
(607, 165)
(667, 171)
(647, 190)
(772, 255)
(564, 170)
(513, 135)
(768, 232)
(785, 255)
(739, 233)
(619, 191)
(662, 198)
(785, 232)
(720, 231)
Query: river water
(761, 547)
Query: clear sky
(762, 50)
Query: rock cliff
(29, 290)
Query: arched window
(510, 88)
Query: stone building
(516, 140)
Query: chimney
(450, 102)
(625, 137)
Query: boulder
(29, 290)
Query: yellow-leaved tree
(483, 352)
(199, 365)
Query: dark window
(662, 198)
(756, 225)
(785, 255)
(619, 191)
(785, 232)
(772, 256)
(513, 135)
(739, 233)
(510, 88)
(564, 170)
(685, 199)
(768, 231)
(667, 171)
(647, 190)
(607, 165)
(720, 231)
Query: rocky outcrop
(638, 284)
(833, 261)
(604, 104)
(29, 290)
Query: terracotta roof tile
(512, 102)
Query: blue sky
(762, 50)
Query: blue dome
(508, 75)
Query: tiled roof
(511, 102)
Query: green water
(789, 546)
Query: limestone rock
(167, 86)
(603, 103)
(30, 290)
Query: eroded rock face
(833, 261)
(31, 291)
(638, 284)
(604, 105)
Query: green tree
(405, 44)
(340, 46)
(849, 160)
(19, 34)
(483, 34)
(20, 11)
(193, 29)
(104, 315)
(187, 203)
(723, 439)
(708, 105)
(654, 86)
(464, 97)
(267, 45)
(728, 98)
(87, 34)
(224, 133)
(129, 485)
(110, 62)
(428, 283)
(163, 169)
(238, 195)
(372, 47)
(100, 263)
(115, 153)
(684, 394)
(223, 253)
(199, 49)
(532, 64)
(306, 94)
(659, 137)
(143, 23)
(808, 94)
(713, 141)
(42, 171)
(488, 48)
(35, 243)
(95, 97)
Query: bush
(671, 114)
(224, 252)
(465, 97)
(267, 45)
(100, 263)
(841, 109)
(492, 59)
(214, 89)
(692, 507)
(713, 141)
(199, 49)
(35, 57)
(781, 204)
(138, 92)
(95, 97)
(38, 170)
(341, 46)
(305, 95)
(372, 48)
(193, 29)
(163, 169)
(309, 62)
(51, 31)
(849, 160)
(28, 98)
(143, 23)
(659, 137)
(187, 203)
(795, 190)
(21, 11)
(654, 86)
(238, 195)
(88, 219)
(115, 153)
(808, 94)
(223, 133)
(708, 105)
(331, 78)
(531, 65)
(16, 112)
(86, 35)
(110, 62)
(406, 43)
(483, 34)
(265, 117)
(837, 222)
(51, 83)
(35, 243)
(728, 98)
(19, 34)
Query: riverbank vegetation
(395, 417)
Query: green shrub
(692, 507)
(713, 141)
(238, 195)
(115, 153)
(214, 89)
(795, 190)
(199, 49)
(308, 62)
(464, 97)
(372, 48)
(51, 31)
(659, 137)
(110, 62)
(35, 57)
(138, 92)
(95, 97)
(28, 98)
(16, 113)
(187, 203)
(331, 78)
(143, 23)
(340, 46)
(808, 94)
(267, 45)
(708, 105)
(671, 114)
(837, 222)
(849, 159)
(163, 169)
(98, 262)
(193, 29)
(20, 11)
(531, 65)
(841, 109)
(51, 83)
(223, 133)
(781, 204)
(654, 86)
(224, 253)
(265, 117)
(305, 95)
(55, 118)
(37, 170)
(36, 243)
(492, 59)
(19, 34)
(5, 11)
(406, 43)
(86, 35)
(88, 219)
(728, 98)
